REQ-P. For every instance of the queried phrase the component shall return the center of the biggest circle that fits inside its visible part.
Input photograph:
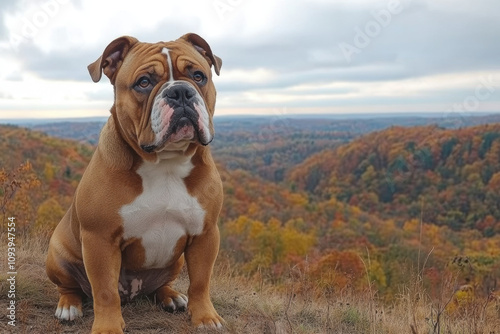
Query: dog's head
(164, 94)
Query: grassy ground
(248, 306)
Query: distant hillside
(56, 164)
(88, 131)
(269, 145)
(67, 157)
(85, 132)
(451, 177)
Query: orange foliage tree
(267, 246)
(338, 270)
(17, 193)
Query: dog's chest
(163, 213)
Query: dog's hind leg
(69, 307)
(169, 299)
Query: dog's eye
(143, 82)
(198, 76)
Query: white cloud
(258, 75)
(275, 53)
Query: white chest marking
(164, 212)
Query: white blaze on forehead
(170, 67)
(161, 113)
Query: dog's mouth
(181, 131)
(184, 126)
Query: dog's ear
(202, 46)
(111, 58)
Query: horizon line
(347, 115)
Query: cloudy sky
(280, 57)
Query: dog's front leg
(102, 260)
(200, 256)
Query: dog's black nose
(180, 94)
(148, 148)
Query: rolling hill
(447, 177)
(329, 211)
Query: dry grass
(249, 306)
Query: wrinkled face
(164, 97)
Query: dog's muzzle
(178, 115)
(182, 99)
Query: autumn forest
(355, 204)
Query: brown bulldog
(151, 194)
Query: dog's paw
(214, 324)
(175, 304)
(213, 321)
(116, 330)
(109, 322)
(69, 307)
(203, 315)
(171, 300)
